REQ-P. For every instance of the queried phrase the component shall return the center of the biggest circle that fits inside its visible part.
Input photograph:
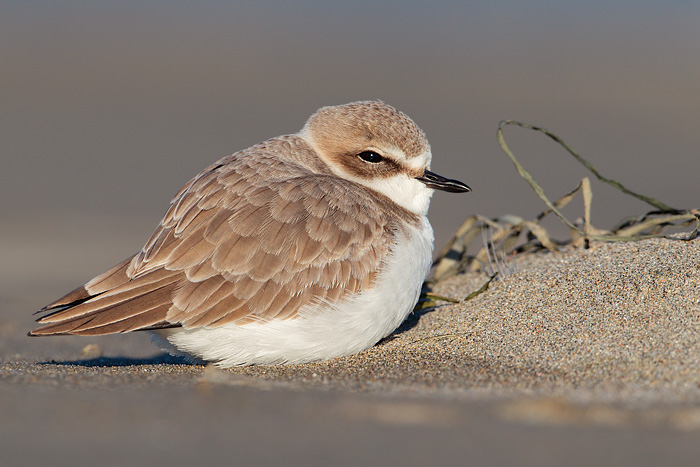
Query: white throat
(405, 191)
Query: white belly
(322, 331)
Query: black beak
(438, 182)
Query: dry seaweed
(513, 234)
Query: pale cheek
(407, 192)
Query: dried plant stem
(505, 231)
(647, 199)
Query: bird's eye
(370, 156)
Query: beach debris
(91, 352)
(507, 235)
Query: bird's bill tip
(438, 182)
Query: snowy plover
(304, 247)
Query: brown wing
(239, 243)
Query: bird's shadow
(409, 323)
(161, 359)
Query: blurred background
(108, 108)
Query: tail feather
(109, 280)
(133, 289)
(140, 303)
(148, 320)
(143, 312)
(72, 298)
(86, 326)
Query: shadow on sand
(162, 359)
(409, 323)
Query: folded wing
(239, 245)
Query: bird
(302, 248)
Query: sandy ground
(586, 357)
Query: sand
(601, 345)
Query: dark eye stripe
(370, 156)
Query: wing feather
(252, 238)
(110, 279)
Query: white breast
(322, 331)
